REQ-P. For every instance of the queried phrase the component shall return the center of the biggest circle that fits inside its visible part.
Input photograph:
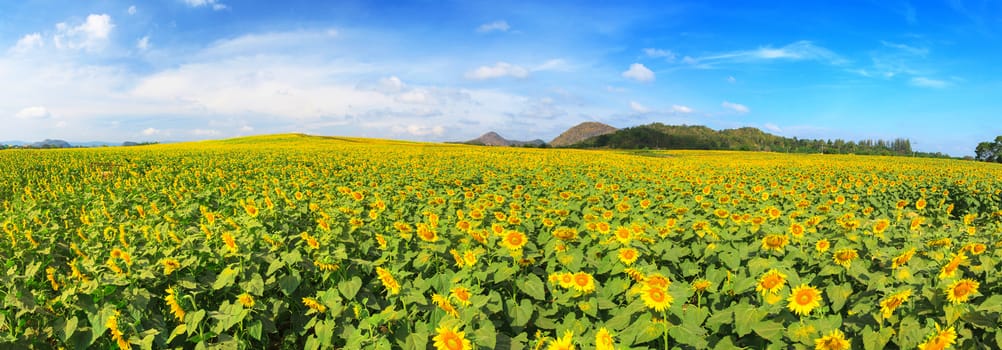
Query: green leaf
(289, 283)
(349, 288)
(520, 313)
(533, 286)
(771, 329)
(68, 328)
(746, 317)
(837, 294)
(225, 278)
(485, 336)
(719, 318)
(691, 331)
(909, 333)
(873, 340)
(254, 329)
(992, 304)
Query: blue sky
(175, 70)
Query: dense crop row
(295, 242)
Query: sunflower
(604, 340)
(880, 226)
(940, 340)
(388, 281)
(803, 299)
(565, 342)
(845, 257)
(657, 280)
(797, 230)
(628, 256)
(951, 267)
(246, 300)
(774, 242)
(960, 291)
(833, 341)
(444, 304)
(450, 338)
(916, 223)
(313, 304)
(656, 298)
(770, 282)
(623, 235)
(566, 280)
(700, 285)
(920, 204)
(822, 246)
(584, 282)
(514, 240)
(461, 294)
(170, 265)
(902, 259)
(426, 233)
(175, 308)
(892, 302)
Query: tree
(989, 151)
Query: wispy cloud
(35, 112)
(639, 108)
(639, 73)
(498, 70)
(737, 107)
(215, 5)
(659, 53)
(798, 51)
(928, 82)
(496, 26)
(681, 109)
(918, 51)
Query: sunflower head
(804, 299)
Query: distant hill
(661, 136)
(493, 139)
(47, 143)
(581, 132)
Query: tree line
(661, 136)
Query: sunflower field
(294, 241)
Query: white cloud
(929, 82)
(615, 89)
(556, 64)
(659, 53)
(639, 73)
(772, 127)
(143, 43)
(681, 109)
(212, 3)
(798, 51)
(150, 131)
(639, 108)
(918, 51)
(246, 128)
(132, 10)
(498, 70)
(205, 132)
(737, 107)
(391, 84)
(732, 80)
(28, 42)
(92, 35)
(496, 26)
(36, 112)
(420, 130)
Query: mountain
(581, 132)
(493, 139)
(51, 144)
